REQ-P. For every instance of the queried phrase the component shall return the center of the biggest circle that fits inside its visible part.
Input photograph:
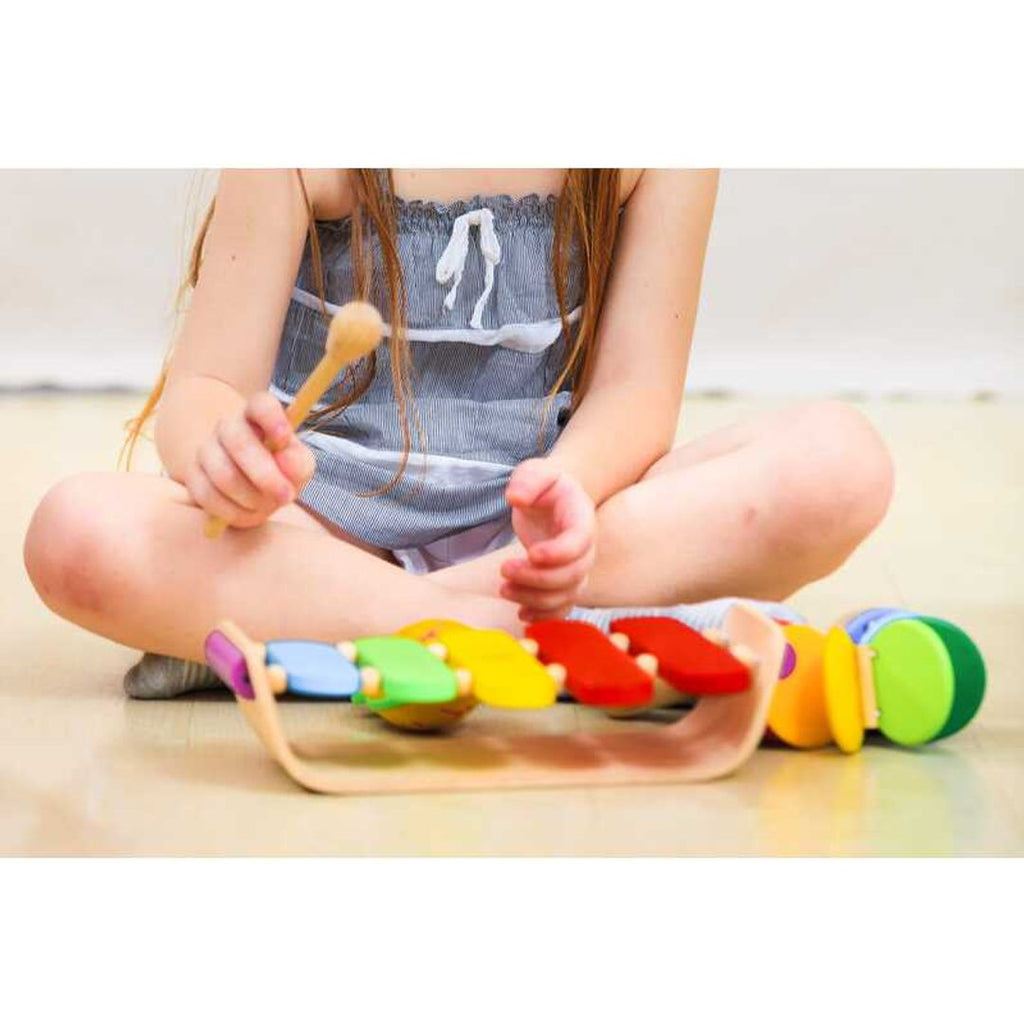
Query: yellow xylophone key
(503, 674)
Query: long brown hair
(586, 225)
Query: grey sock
(157, 677)
(705, 615)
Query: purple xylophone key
(229, 663)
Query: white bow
(453, 260)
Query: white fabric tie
(453, 260)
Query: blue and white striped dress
(487, 347)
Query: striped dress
(487, 347)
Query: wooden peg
(371, 683)
(715, 636)
(649, 663)
(744, 655)
(278, 679)
(558, 673)
(866, 677)
(620, 640)
(464, 679)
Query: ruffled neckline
(501, 202)
(531, 207)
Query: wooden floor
(85, 771)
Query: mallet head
(355, 330)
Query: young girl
(505, 455)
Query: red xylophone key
(686, 660)
(597, 672)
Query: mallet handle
(355, 330)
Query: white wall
(874, 281)
(817, 281)
(89, 267)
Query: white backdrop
(830, 282)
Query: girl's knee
(838, 479)
(853, 462)
(70, 547)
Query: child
(505, 455)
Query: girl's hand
(553, 517)
(250, 466)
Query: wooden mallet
(355, 330)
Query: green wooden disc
(914, 682)
(969, 671)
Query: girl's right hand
(250, 466)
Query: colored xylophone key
(597, 672)
(503, 674)
(408, 673)
(313, 669)
(686, 660)
(228, 662)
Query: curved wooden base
(712, 740)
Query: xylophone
(914, 678)
(430, 675)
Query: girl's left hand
(553, 517)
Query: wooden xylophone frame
(710, 741)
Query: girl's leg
(757, 510)
(124, 555)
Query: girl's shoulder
(329, 191)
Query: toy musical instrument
(431, 674)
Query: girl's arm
(215, 412)
(226, 349)
(628, 418)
